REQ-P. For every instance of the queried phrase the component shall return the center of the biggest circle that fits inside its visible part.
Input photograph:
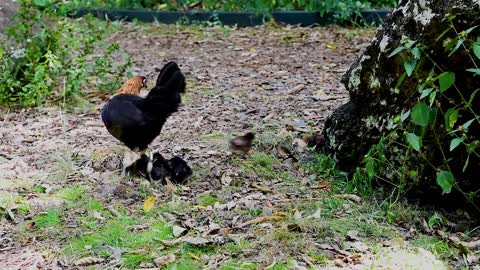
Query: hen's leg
(128, 159)
(149, 154)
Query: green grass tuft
(207, 199)
(438, 247)
(116, 233)
(234, 265)
(71, 193)
(94, 204)
(49, 219)
(132, 261)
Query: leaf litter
(236, 211)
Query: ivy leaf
(451, 117)
(396, 51)
(410, 66)
(416, 52)
(404, 115)
(445, 180)
(472, 96)
(426, 92)
(414, 141)
(420, 114)
(455, 143)
(432, 97)
(468, 123)
(474, 70)
(459, 43)
(434, 219)
(40, 3)
(446, 79)
(410, 43)
(476, 49)
(469, 30)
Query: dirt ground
(280, 83)
(7, 10)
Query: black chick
(137, 121)
(242, 144)
(179, 170)
(160, 169)
(176, 170)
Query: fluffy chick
(242, 144)
(179, 170)
(317, 140)
(160, 169)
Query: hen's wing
(122, 116)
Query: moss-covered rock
(380, 91)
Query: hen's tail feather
(165, 97)
(176, 82)
(166, 73)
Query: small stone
(178, 231)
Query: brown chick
(242, 144)
(316, 140)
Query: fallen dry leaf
(193, 256)
(323, 184)
(297, 89)
(88, 261)
(350, 197)
(196, 241)
(165, 260)
(260, 220)
(262, 189)
(149, 203)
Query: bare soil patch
(258, 211)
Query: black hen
(137, 121)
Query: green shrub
(52, 57)
(341, 8)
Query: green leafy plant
(437, 124)
(342, 9)
(52, 57)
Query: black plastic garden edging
(241, 19)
